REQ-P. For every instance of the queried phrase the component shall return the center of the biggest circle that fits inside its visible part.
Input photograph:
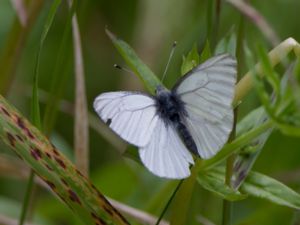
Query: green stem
(168, 203)
(218, 15)
(227, 205)
(27, 197)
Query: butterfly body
(194, 116)
(171, 110)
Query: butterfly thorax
(169, 106)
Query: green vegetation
(57, 56)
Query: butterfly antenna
(169, 60)
(123, 69)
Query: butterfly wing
(166, 155)
(131, 115)
(207, 93)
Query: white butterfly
(195, 115)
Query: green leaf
(135, 63)
(61, 73)
(267, 69)
(227, 44)
(206, 52)
(235, 145)
(190, 61)
(262, 186)
(55, 169)
(35, 98)
(35, 107)
(214, 180)
(248, 154)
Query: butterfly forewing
(131, 115)
(166, 155)
(207, 93)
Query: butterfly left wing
(166, 155)
(207, 93)
(131, 115)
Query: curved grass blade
(60, 73)
(55, 169)
(35, 108)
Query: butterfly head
(160, 91)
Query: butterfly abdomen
(187, 138)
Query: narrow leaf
(190, 61)
(135, 63)
(21, 10)
(265, 187)
(81, 129)
(248, 154)
(60, 74)
(267, 69)
(206, 52)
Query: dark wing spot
(108, 121)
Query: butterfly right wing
(207, 93)
(166, 155)
(129, 114)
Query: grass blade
(60, 74)
(35, 108)
(55, 169)
(81, 131)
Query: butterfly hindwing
(131, 115)
(207, 93)
(166, 155)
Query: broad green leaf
(55, 169)
(265, 187)
(214, 180)
(190, 61)
(135, 63)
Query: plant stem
(227, 205)
(26, 200)
(168, 203)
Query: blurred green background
(150, 27)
